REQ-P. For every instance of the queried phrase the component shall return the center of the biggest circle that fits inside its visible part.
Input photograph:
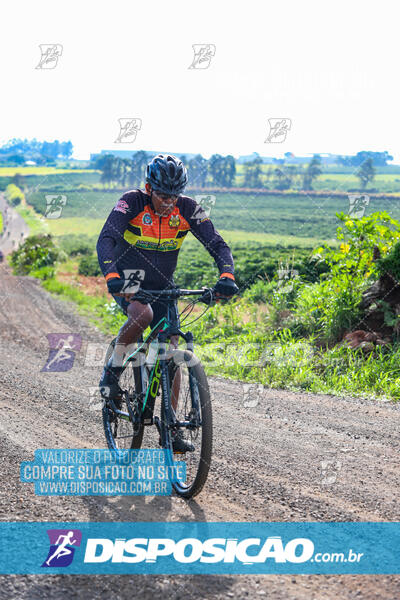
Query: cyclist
(144, 232)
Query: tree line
(220, 171)
(17, 151)
(217, 170)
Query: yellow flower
(344, 248)
(348, 223)
(384, 248)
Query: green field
(285, 219)
(92, 227)
(280, 216)
(334, 178)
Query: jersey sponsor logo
(122, 206)
(147, 220)
(174, 221)
(163, 246)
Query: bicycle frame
(165, 328)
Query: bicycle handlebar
(207, 294)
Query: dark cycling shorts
(159, 308)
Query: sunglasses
(166, 196)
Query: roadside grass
(98, 309)
(36, 223)
(256, 352)
(253, 350)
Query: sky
(328, 67)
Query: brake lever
(208, 297)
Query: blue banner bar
(212, 548)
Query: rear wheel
(191, 396)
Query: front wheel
(191, 406)
(120, 431)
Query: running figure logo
(62, 351)
(278, 130)
(203, 54)
(357, 205)
(50, 54)
(202, 211)
(133, 279)
(54, 205)
(63, 543)
(128, 129)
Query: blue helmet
(167, 174)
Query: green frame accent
(165, 326)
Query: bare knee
(140, 314)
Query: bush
(260, 292)
(89, 266)
(36, 252)
(391, 263)
(14, 195)
(43, 273)
(332, 306)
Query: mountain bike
(177, 376)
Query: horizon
(185, 153)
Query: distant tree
(18, 180)
(222, 170)
(35, 149)
(123, 168)
(16, 159)
(281, 180)
(292, 173)
(137, 172)
(380, 159)
(312, 171)
(215, 167)
(106, 164)
(366, 173)
(229, 171)
(252, 173)
(197, 171)
(66, 149)
(268, 175)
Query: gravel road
(14, 227)
(293, 457)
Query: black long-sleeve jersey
(135, 237)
